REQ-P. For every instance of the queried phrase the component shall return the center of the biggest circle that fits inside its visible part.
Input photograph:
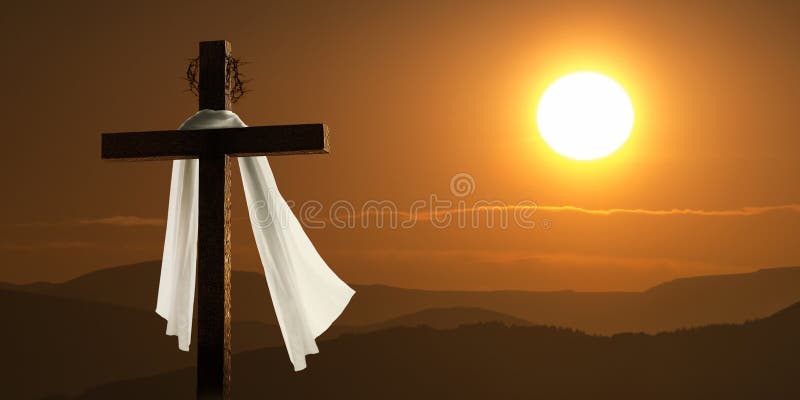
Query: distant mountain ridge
(101, 327)
(449, 318)
(680, 303)
(756, 360)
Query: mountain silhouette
(687, 302)
(64, 346)
(754, 360)
(447, 318)
(56, 345)
(681, 303)
(101, 327)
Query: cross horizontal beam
(237, 142)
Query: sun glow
(585, 116)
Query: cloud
(734, 212)
(427, 213)
(123, 220)
(117, 220)
(499, 206)
(44, 245)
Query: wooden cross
(214, 147)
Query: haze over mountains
(101, 327)
(680, 303)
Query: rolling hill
(100, 327)
(64, 346)
(687, 302)
(755, 360)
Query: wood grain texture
(213, 229)
(238, 142)
(213, 79)
(214, 279)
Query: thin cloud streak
(117, 220)
(736, 212)
(59, 245)
(744, 211)
(123, 220)
(135, 221)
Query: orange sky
(414, 94)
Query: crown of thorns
(234, 85)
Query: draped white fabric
(306, 294)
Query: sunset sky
(416, 93)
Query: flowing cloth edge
(175, 265)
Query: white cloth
(306, 294)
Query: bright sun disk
(585, 116)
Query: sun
(585, 116)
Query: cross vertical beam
(213, 80)
(214, 238)
(214, 148)
(214, 279)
